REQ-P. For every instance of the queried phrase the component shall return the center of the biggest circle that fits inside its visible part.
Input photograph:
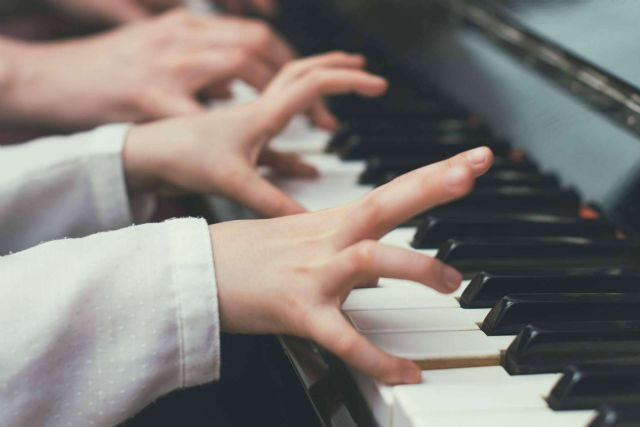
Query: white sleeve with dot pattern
(65, 186)
(94, 329)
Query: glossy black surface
(617, 416)
(404, 126)
(487, 288)
(591, 385)
(551, 349)
(513, 200)
(436, 229)
(474, 255)
(420, 147)
(514, 312)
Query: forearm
(44, 85)
(93, 342)
(66, 187)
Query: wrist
(9, 70)
(138, 161)
(22, 98)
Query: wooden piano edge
(459, 362)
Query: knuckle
(260, 34)
(239, 59)
(364, 254)
(371, 209)
(316, 78)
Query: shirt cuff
(196, 295)
(108, 180)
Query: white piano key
(440, 345)
(400, 237)
(480, 375)
(476, 314)
(395, 298)
(334, 187)
(379, 398)
(411, 320)
(501, 418)
(519, 392)
(409, 285)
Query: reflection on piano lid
(548, 330)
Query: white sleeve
(65, 187)
(94, 329)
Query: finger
(215, 66)
(267, 8)
(278, 109)
(287, 164)
(322, 117)
(261, 196)
(333, 332)
(415, 192)
(256, 73)
(368, 260)
(301, 67)
(253, 35)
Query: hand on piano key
(159, 68)
(217, 152)
(290, 275)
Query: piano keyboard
(549, 283)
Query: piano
(546, 327)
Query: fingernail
(452, 277)
(456, 176)
(411, 375)
(477, 156)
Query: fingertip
(328, 122)
(375, 86)
(406, 372)
(411, 373)
(480, 159)
(359, 59)
(452, 278)
(311, 172)
(293, 208)
(459, 179)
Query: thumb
(258, 194)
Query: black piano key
(409, 128)
(378, 167)
(589, 386)
(512, 200)
(487, 288)
(351, 108)
(617, 416)
(538, 350)
(473, 255)
(374, 125)
(436, 229)
(418, 147)
(375, 173)
(514, 312)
